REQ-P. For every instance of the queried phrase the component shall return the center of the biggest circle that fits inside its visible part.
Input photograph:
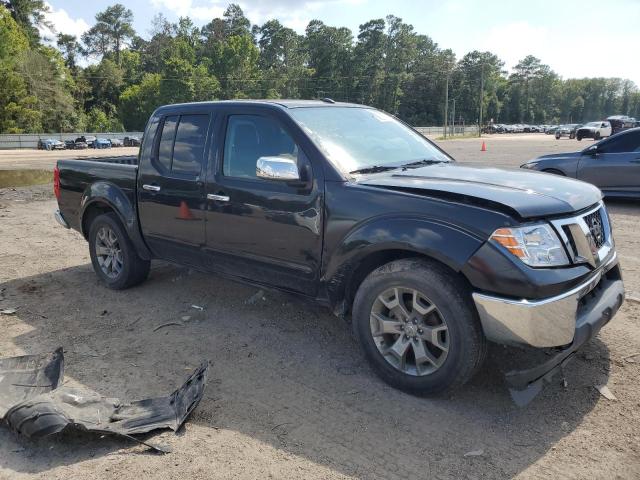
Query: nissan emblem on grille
(594, 222)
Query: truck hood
(523, 194)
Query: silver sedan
(612, 164)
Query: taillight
(56, 182)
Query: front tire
(113, 256)
(417, 326)
(596, 136)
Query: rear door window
(188, 148)
(181, 144)
(165, 146)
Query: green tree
(29, 14)
(18, 108)
(112, 31)
(98, 121)
(282, 60)
(138, 101)
(330, 56)
(70, 48)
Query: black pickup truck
(350, 207)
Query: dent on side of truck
(111, 195)
(442, 242)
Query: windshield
(594, 124)
(359, 138)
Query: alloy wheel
(108, 252)
(409, 331)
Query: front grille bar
(587, 237)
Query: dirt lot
(289, 395)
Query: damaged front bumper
(568, 320)
(35, 404)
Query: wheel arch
(412, 238)
(105, 197)
(555, 171)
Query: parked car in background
(551, 129)
(613, 164)
(80, 144)
(595, 130)
(568, 130)
(620, 123)
(88, 140)
(116, 142)
(70, 144)
(345, 205)
(50, 144)
(102, 143)
(131, 141)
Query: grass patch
(23, 178)
(456, 137)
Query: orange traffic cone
(185, 213)
(484, 147)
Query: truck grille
(596, 227)
(587, 238)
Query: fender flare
(443, 242)
(109, 194)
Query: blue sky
(577, 38)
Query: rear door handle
(151, 188)
(218, 198)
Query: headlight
(536, 245)
(529, 165)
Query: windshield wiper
(424, 161)
(375, 169)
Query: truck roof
(282, 103)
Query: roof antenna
(328, 100)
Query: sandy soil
(290, 395)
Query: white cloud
(294, 14)
(186, 8)
(572, 52)
(62, 22)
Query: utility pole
(481, 97)
(453, 118)
(446, 106)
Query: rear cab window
(181, 144)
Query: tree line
(111, 78)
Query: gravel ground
(290, 395)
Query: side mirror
(277, 168)
(592, 150)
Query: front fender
(107, 193)
(444, 242)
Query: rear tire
(113, 256)
(417, 326)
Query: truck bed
(79, 177)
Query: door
(170, 188)
(614, 165)
(266, 231)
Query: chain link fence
(30, 140)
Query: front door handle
(218, 198)
(637, 160)
(151, 188)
